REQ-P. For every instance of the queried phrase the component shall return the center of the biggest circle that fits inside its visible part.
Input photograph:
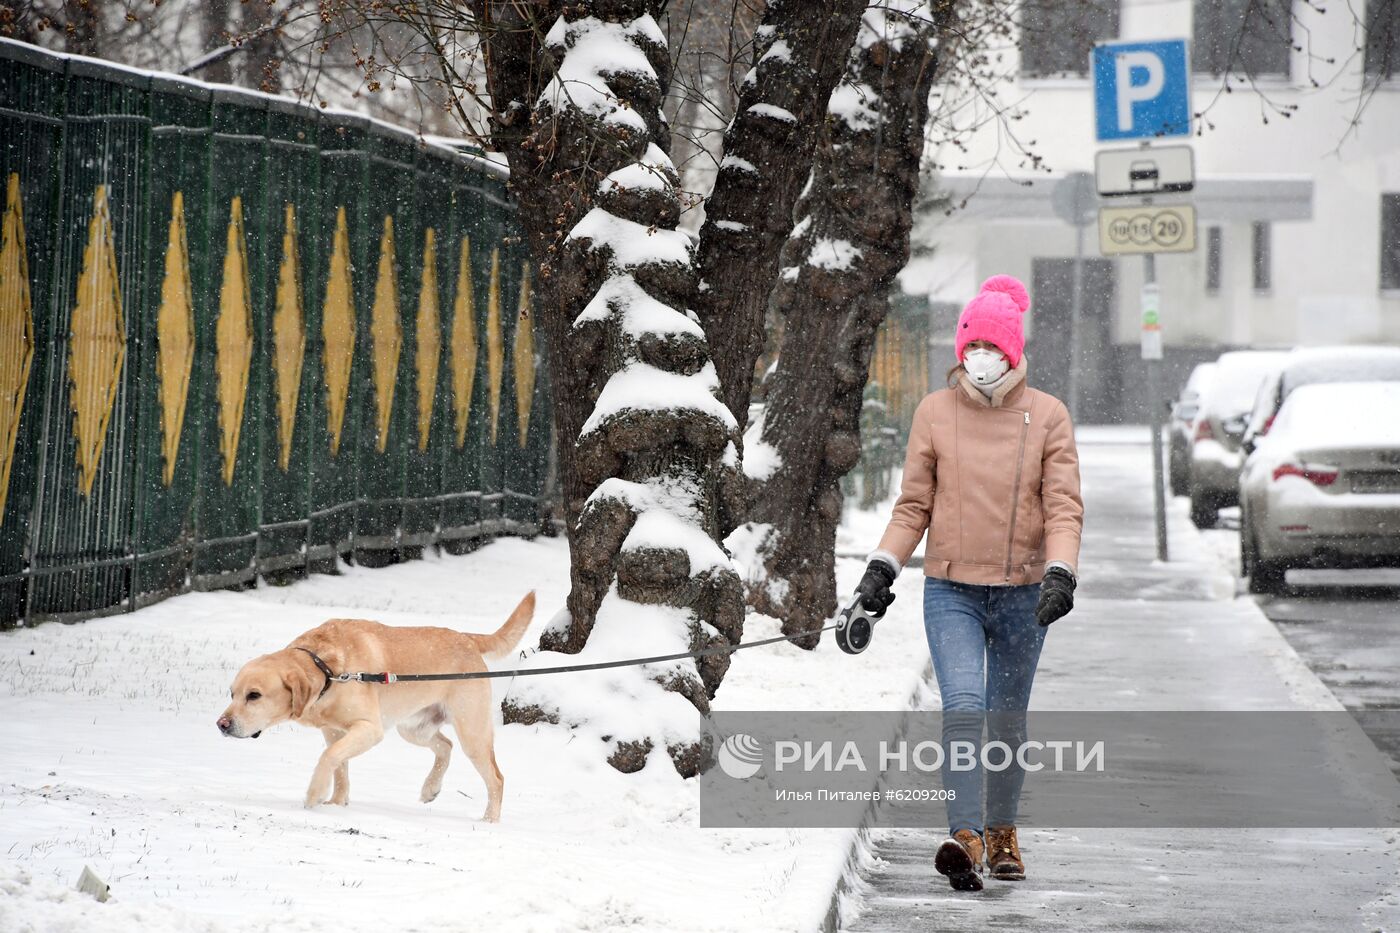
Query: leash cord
(388, 678)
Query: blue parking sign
(1142, 90)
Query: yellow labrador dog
(295, 684)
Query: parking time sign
(1142, 90)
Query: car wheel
(1266, 577)
(1176, 476)
(1247, 555)
(1204, 512)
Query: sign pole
(1142, 91)
(1155, 402)
(1075, 330)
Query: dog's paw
(430, 793)
(340, 801)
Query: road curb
(845, 879)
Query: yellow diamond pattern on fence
(288, 338)
(495, 352)
(233, 339)
(463, 345)
(338, 331)
(97, 342)
(428, 330)
(16, 329)
(174, 338)
(386, 332)
(523, 355)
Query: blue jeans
(985, 644)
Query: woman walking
(993, 474)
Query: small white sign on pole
(1151, 322)
(1143, 171)
(1147, 229)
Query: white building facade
(1298, 216)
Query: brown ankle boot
(960, 858)
(1004, 855)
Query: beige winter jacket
(995, 481)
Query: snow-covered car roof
(1340, 364)
(1339, 415)
(1199, 380)
(1238, 374)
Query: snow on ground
(112, 759)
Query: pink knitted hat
(995, 316)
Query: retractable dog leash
(386, 677)
(855, 626)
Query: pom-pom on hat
(995, 316)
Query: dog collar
(322, 666)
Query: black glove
(1056, 595)
(875, 587)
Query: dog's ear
(302, 686)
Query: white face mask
(985, 366)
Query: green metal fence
(241, 337)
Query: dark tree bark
(214, 25)
(263, 63)
(712, 45)
(839, 265)
(578, 114)
(802, 48)
(549, 173)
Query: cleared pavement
(1150, 636)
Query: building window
(1057, 37)
(1213, 259)
(1382, 39)
(1242, 37)
(1263, 257)
(1390, 241)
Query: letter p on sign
(1141, 90)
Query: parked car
(1219, 426)
(1314, 365)
(1322, 487)
(1183, 416)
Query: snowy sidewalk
(1147, 636)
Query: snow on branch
(666, 518)
(833, 254)
(631, 244)
(892, 22)
(639, 313)
(852, 104)
(761, 459)
(591, 50)
(643, 387)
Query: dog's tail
(505, 638)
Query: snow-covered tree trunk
(838, 267)
(801, 46)
(641, 425)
